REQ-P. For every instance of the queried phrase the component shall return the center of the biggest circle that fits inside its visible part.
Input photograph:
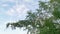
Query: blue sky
(14, 10)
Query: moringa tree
(45, 20)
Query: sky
(13, 11)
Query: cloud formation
(17, 10)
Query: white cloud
(21, 9)
(7, 0)
(4, 5)
(10, 12)
(18, 9)
(27, 0)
